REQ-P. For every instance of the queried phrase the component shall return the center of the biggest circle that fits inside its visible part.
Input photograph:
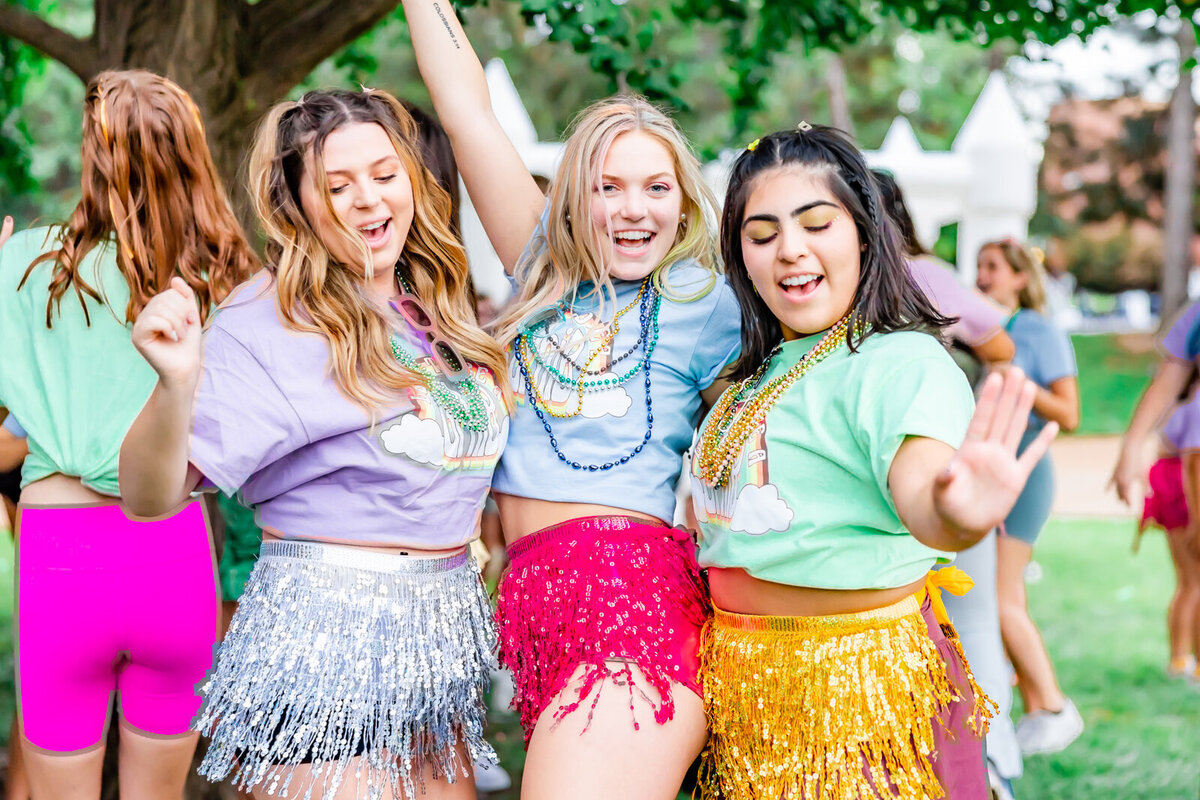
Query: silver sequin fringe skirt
(334, 653)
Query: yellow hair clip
(803, 127)
(752, 145)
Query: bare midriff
(521, 516)
(738, 591)
(58, 489)
(275, 535)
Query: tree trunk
(839, 106)
(234, 58)
(1180, 182)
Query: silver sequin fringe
(335, 651)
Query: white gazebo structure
(986, 182)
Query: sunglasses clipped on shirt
(445, 355)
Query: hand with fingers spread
(168, 334)
(981, 483)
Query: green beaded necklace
(468, 407)
(599, 384)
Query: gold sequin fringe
(824, 708)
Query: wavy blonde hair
(149, 182)
(318, 294)
(563, 255)
(1027, 261)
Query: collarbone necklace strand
(743, 407)
(648, 320)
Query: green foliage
(18, 64)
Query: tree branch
(79, 55)
(290, 37)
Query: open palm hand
(983, 480)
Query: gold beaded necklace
(735, 416)
(614, 328)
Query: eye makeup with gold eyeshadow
(761, 229)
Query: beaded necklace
(531, 353)
(562, 351)
(528, 352)
(467, 406)
(649, 322)
(743, 407)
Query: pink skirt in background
(1165, 503)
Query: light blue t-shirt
(697, 340)
(1044, 353)
(12, 426)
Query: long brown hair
(318, 294)
(149, 182)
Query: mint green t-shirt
(75, 388)
(807, 503)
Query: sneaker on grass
(1049, 732)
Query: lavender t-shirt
(978, 318)
(271, 422)
(1176, 342)
(1182, 430)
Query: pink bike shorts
(109, 604)
(594, 590)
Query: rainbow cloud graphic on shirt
(428, 435)
(564, 345)
(748, 502)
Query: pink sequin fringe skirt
(598, 591)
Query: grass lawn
(1101, 610)
(1113, 372)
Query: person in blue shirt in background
(1012, 274)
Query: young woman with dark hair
(347, 394)
(106, 601)
(841, 466)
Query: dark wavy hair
(891, 196)
(886, 300)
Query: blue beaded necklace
(647, 321)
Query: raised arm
(154, 472)
(505, 196)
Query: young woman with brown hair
(347, 394)
(108, 602)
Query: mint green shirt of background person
(808, 503)
(74, 388)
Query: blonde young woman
(347, 394)
(107, 602)
(1012, 275)
(620, 328)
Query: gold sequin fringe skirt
(827, 708)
